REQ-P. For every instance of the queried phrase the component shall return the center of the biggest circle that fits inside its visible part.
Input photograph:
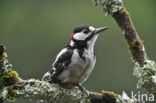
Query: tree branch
(16, 88)
(145, 69)
(136, 45)
(116, 9)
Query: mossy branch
(116, 9)
(35, 90)
(14, 88)
(136, 45)
(145, 69)
(147, 77)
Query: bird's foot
(84, 90)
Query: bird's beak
(98, 30)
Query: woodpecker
(76, 61)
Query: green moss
(9, 94)
(4, 56)
(12, 95)
(109, 93)
(9, 77)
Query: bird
(76, 61)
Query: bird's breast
(90, 61)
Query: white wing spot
(54, 69)
(61, 52)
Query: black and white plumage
(76, 61)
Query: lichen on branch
(7, 75)
(135, 44)
(35, 90)
(109, 6)
(14, 88)
(145, 69)
(116, 9)
(146, 76)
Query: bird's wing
(62, 61)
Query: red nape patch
(72, 36)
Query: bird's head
(85, 36)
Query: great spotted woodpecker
(76, 61)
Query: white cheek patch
(80, 36)
(91, 28)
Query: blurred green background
(34, 31)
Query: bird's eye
(85, 31)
